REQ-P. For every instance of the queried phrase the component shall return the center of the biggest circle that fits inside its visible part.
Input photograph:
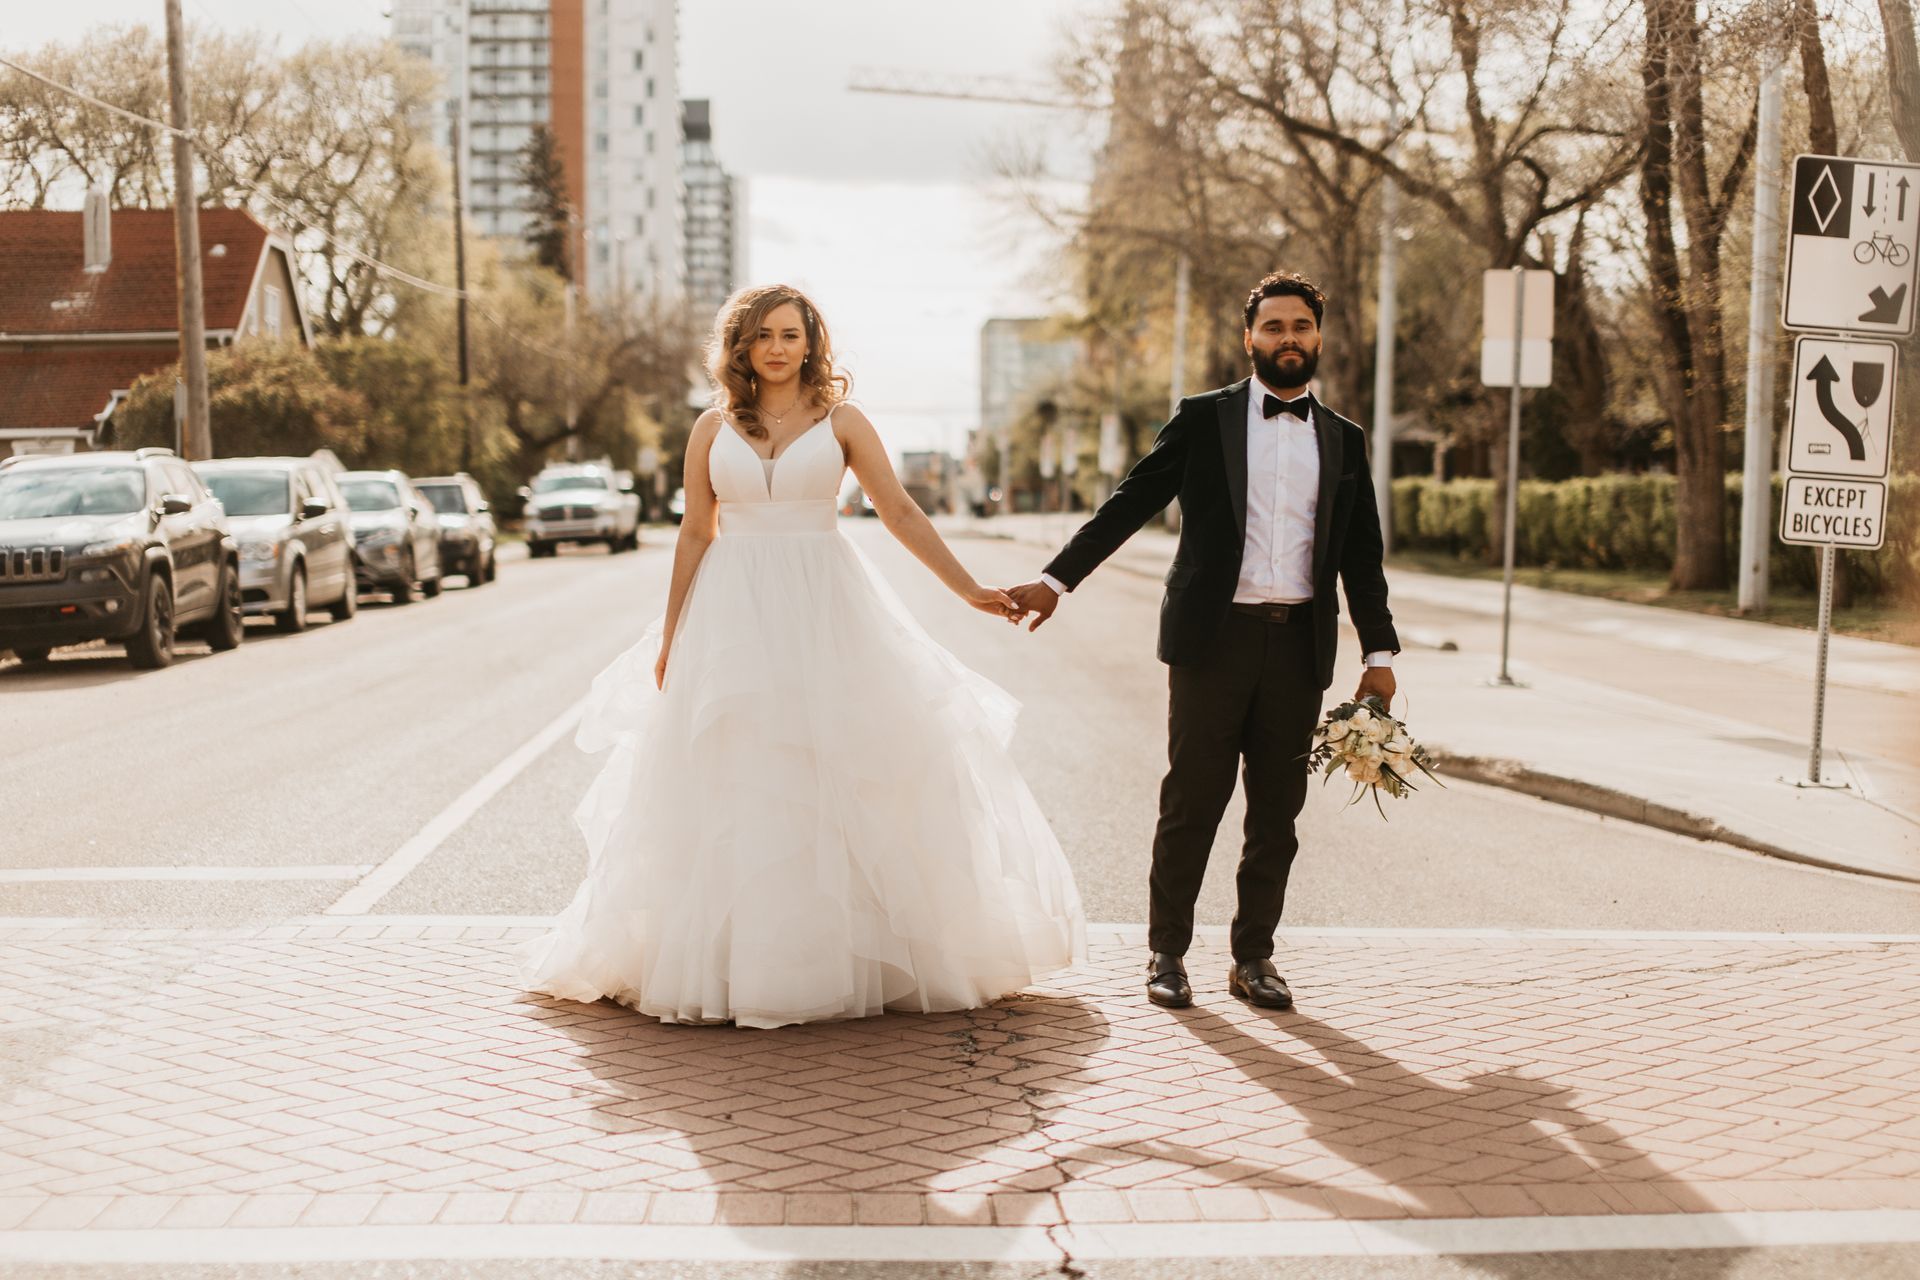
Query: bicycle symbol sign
(1853, 240)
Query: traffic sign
(1853, 246)
(1842, 419)
(1498, 303)
(1820, 511)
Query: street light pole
(460, 282)
(1763, 309)
(1386, 319)
(198, 436)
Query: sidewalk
(381, 1088)
(1583, 743)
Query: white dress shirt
(1283, 495)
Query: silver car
(296, 545)
(396, 533)
(581, 502)
(466, 526)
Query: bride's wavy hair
(729, 355)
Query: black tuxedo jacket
(1200, 456)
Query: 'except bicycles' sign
(1853, 246)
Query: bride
(809, 811)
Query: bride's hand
(994, 601)
(660, 670)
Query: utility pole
(573, 410)
(198, 436)
(1386, 318)
(1763, 310)
(460, 282)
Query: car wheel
(493, 567)
(431, 587)
(633, 540)
(227, 628)
(402, 591)
(539, 550)
(293, 618)
(349, 602)
(34, 656)
(151, 647)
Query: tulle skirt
(816, 818)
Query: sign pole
(1513, 473)
(1820, 663)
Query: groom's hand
(1377, 681)
(1036, 598)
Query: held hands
(1036, 598)
(1379, 682)
(994, 601)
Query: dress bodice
(808, 469)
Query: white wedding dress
(817, 818)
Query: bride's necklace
(780, 419)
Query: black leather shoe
(1259, 984)
(1167, 981)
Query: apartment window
(649, 142)
(640, 60)
(600, 143)
(649, 196)
(639, 225)
(639, 114)
(649, 86)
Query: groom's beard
(1295, 372)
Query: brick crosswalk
(313, 1075)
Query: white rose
(1378, 732)
(1357, 770)
(1398, 746)
(1337, 730)
(1372, 773)
(1360, 717)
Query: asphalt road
(300, 766)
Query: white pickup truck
(581, 502)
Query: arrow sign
(1869, 205)
(1902, 184)
(1823, 377)
(1886, 306)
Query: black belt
(1276, 612)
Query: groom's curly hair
(1287, 284)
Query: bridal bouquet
(1375, 750)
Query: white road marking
(42, 875)
(364, 896)
(1407, 1238)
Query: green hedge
(1627, 522)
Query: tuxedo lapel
(1327, 428)
(1233, 451)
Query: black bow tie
(1297, 407)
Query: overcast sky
(883, 208)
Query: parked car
(581, 502)
(677, 506)
(121, 546)
(396, 534)
(466, 526)
(295, 536)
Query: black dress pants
(1254, 700)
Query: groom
(1276, 504)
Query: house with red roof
(87, 305)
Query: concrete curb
(1608, 802)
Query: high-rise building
(603, 75)
(715, 216)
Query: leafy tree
(265, 398)
(544, 174)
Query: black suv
(115, 546)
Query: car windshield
(371, 495)
(251, 493)
(547, 484)
(72, 491)
(446, 498)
